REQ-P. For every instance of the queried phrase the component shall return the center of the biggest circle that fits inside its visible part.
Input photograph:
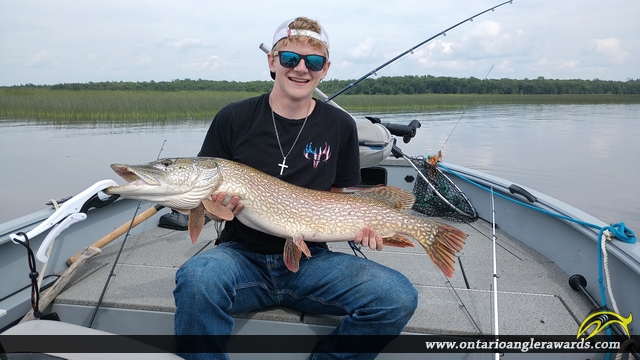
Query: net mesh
(440, 197)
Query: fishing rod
(464, 112)
(443, 33)
(115, 261)
(495, 272)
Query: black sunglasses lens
(290, 60)
(314, 62)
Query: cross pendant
(282, 166)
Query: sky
(51, 42)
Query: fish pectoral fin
(293, 250)
(299, 242)
(398, 240)
(291, 256)
(196, 223)
(218, 210)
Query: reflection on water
(583, 155)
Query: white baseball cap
(283, 31)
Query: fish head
(178, 183)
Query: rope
(356, 249)
(623, 347)
(607, 236)
(33, 275)
(619, 230)
(56, 206)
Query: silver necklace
(284, 157)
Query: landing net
(437, 196)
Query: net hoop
(449, 201)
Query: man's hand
(233, 205)
(367, 237)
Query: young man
(288, 134)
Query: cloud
(484, 29)
(569, 64)
(487, 39)
(440, 47)
(610, 47)
(129, 60)
(41, 59)
(168, 40)
(142, 60)
(182, 45)
(505, 66)
(365, 51)
(541, 63)
(477, 47)
(212, 63)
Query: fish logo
(316, 154)
(608, 317)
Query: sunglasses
(289, 59)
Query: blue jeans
(228, 280)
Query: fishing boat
(530, 266)
(534, 271)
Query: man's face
(297, 82)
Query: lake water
(584, 155)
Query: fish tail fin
(443, 245)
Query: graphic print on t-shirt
(317, 153)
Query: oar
(121, 230)
(63, 280)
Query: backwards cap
(283, 31)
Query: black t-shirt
(325, 155)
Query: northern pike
(285, 210)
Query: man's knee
(191, 272)
(400, 294)
(199, 275)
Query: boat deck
(533, 293)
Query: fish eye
(166, 162)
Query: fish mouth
(134, 178)
(131, 175)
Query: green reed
(43, 104)
(96, 105)
(392, 103)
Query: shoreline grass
(409, 103)
(43, 104)
(108, 106)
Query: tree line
(391, 85)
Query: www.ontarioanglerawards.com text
(523, 346)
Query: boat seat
(375, 143)
(49, 327)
